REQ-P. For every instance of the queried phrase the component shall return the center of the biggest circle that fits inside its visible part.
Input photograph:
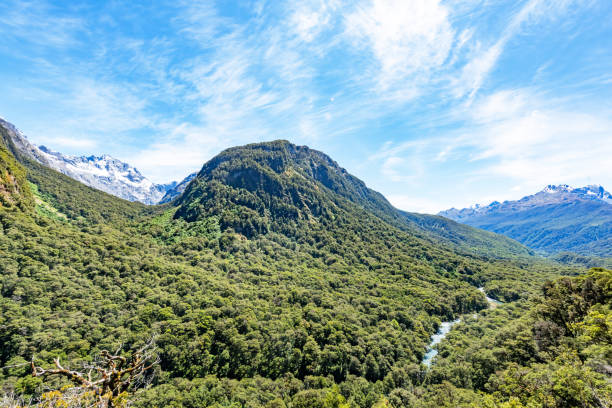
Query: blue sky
(433, 103)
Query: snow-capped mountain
(108, 174)
(551, 194)
(558, 218)
(102, 172)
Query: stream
(445, 328)
(492, 302)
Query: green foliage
(286, 284)
(280, 187)
(14, 189)
(553, 351)
(570, 258)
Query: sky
(435, 104)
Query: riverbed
(492, 302)
(445, 328)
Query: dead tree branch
(111, 375)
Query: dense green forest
(279, 280)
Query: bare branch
(114, 373)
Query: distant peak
(102, 172)
(93, 157)
(551, 188)
(590, 191)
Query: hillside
(277, 279)
(556, 219)
(14, 190)
(177, 190)
(278, 186)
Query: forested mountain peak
(255, 186)
(236, 164)
(278, 186)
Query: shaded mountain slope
(277, 185)
(178, 189)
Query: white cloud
(512, 143)
(276, 74)
(419, 204)
(200, 21)
(309, 18)
(521, 123)
(407, 39)
(548, 146)
(390, 167)
(500, 105)
(104, 107)
(71, 143)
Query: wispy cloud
(241, 86)
(63, 142)
(409, 40)
(428, 76)
(36, 22)
(540, 141)
(520, 136)
(309, 18)
(475, 71)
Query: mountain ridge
(558, 218)
(103, 172)
(281, 184)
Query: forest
(279, 280)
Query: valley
(279, 279)
(446, 327)
(574, 224)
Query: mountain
(102, 172)
(107, 174)
(276, 185)
(177, 189)
(558, 218)
(14, 190)
(277, 279)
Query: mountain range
(102, 172)
(278, 279)
(556, 219)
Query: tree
(108, 380)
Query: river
(445, 328)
